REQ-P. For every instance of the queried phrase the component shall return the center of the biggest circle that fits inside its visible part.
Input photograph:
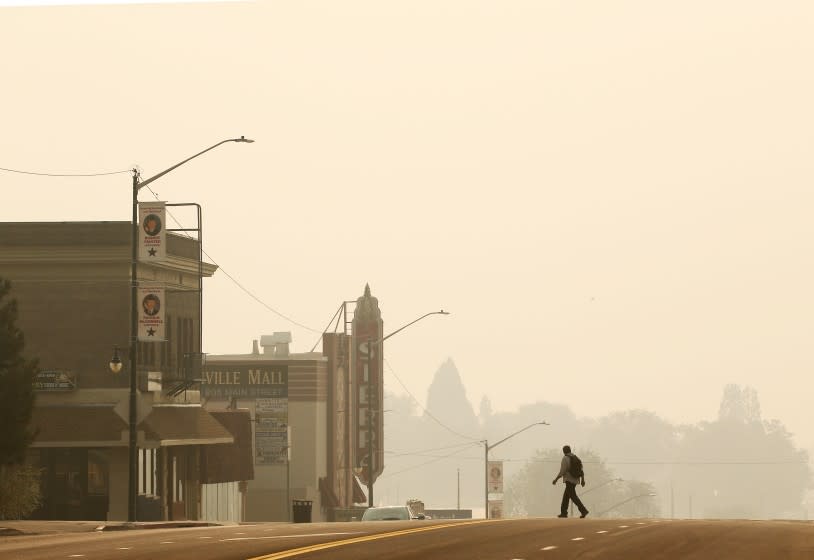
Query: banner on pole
(496, 477)
(152, 232)
(151, 313)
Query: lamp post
(613, 507)
(369, 349)
(486, 449)
(115, 362)
(597, 487)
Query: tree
(19, 491)
(741, 466)
(16, 384)
(530, 493)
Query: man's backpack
(575, 466)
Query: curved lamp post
(115, 362)
(487, 448)
(597, 487)
(623, 502)
(369, 349)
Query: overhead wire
(235, 281)
(420, 451)
(427, 412)
(42, 174)
(435, 460)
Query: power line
(234, 280)
(64, 174)
(435, 460)
(427, 412)
(419, 452)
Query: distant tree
(742, 467)
(447, 400)
(485, 409)
(739, 404)
(16, 384)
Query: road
(518, 539)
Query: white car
(390, 513)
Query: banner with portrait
(152, 232)
(495, 469)
(150, 311)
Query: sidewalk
(12, 528)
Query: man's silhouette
(571, 480)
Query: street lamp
(597, 487)
(613, 507)
(486, 449)
(115, 362)
(369, 349)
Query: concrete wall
(117, 504)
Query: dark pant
(571, 494)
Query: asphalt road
(465, 540)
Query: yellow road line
(334, 544)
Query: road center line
(600, 532)
(578, 539)
(302, 535)
(548, 548)
(334, 544)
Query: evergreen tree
(16, 384)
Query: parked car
(390, 513)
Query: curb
(6, 532)
(157, 525)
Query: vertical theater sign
(367, 331)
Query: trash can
(301, 511)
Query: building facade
(72, 284)
(286, 396)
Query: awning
(87, 425)
(99, 425)
(359, 496)
(230, 462)
(183, 425)
(329, 498)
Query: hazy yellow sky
(613, 198)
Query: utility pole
(459, 489)
(672, 502)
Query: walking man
(572, 474)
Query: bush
(19, 491)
